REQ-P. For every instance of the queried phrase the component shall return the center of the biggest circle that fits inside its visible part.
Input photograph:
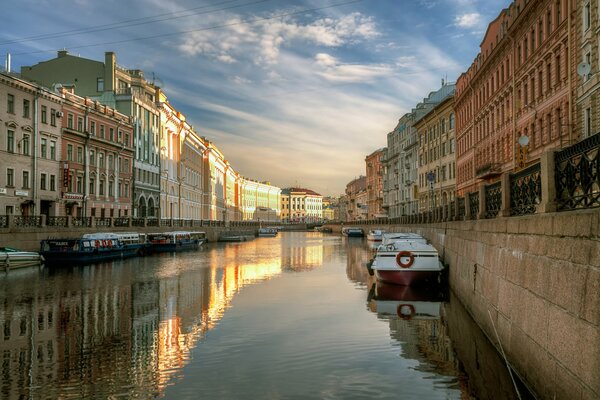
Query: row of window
(26, 109)
(76, 186)
(47, 181)
(24, 145)
(440, 174)
(123, 164)
(99, 130)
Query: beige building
(356, 199)
(437, 161)
(261, 201)
(183, 165)
(301, 205)
(30, 134)
(125, 90)
(374, 168)
(587, 22)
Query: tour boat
(388, 238)
(103, 247)
(353, 232)
(11, 258)
(175, 241)
(407, 262)
(130, 240)
(267, 232)
(375, 235)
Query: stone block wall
(535, 280)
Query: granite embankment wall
(534, 280)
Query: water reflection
(275, 317)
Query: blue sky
(296, 92)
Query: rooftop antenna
(7, 63)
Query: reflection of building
(127, 91)
(31, 178)
(437, 161)
(374, 167)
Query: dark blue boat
(175, 241)
(84, 251)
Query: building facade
(514, 101)
(97, 158)
(301, 205)
(30, 126)
(260, 201)
(356, 199)
(437, 162)
(374, 169)
(587, 49)
(183, 165)
(130, 93)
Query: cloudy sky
(296, 92)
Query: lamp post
(523, 148)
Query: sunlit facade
(260, 201)
(301, 205)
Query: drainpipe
(85, 159)
(571, 50)
(36, 126)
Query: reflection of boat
(375, 235)
(233, 238)
(11, 258)
(175, 241)
(353, 232)
(267, 232)
(406, 302)
(103, 248)
(407, 262)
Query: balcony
(488, 171)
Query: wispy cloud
(333, 70)
(468, 20)
(265, 39)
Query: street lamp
(523, 148)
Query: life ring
(103, 243)
(97, 243)
(401, 314)
(405, 253)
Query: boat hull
(171, 247)
(74, 257)
(15, 260)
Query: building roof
(299, 190)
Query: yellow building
(260, 201)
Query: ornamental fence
(564, 180)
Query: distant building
(356, 199)
(301, 205)
(518, 86)
(125, 90)
(437, 162)
(374, 169)
(330, 208)
(261, 201)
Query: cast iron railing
(121, 221)
(474, 204)
(137, 221)
(460, 201)
(56, 221)
(525, 190)
(81, 221)
(493, 199)
(102, 221)
(577, 175)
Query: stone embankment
(534, 283)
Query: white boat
(407, 262)
(388, 238)
(375, 235)
(11, 258)
(267, 232)
(130, 240)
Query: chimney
(110, 63)
(7, 65)
(62, 53)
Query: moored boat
(375, 235)
(353, 232)
(11, 258)
(104, 247)
(130, 240)
(407, 262)
(175, 241)
(267, 232)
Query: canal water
(290, 317)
